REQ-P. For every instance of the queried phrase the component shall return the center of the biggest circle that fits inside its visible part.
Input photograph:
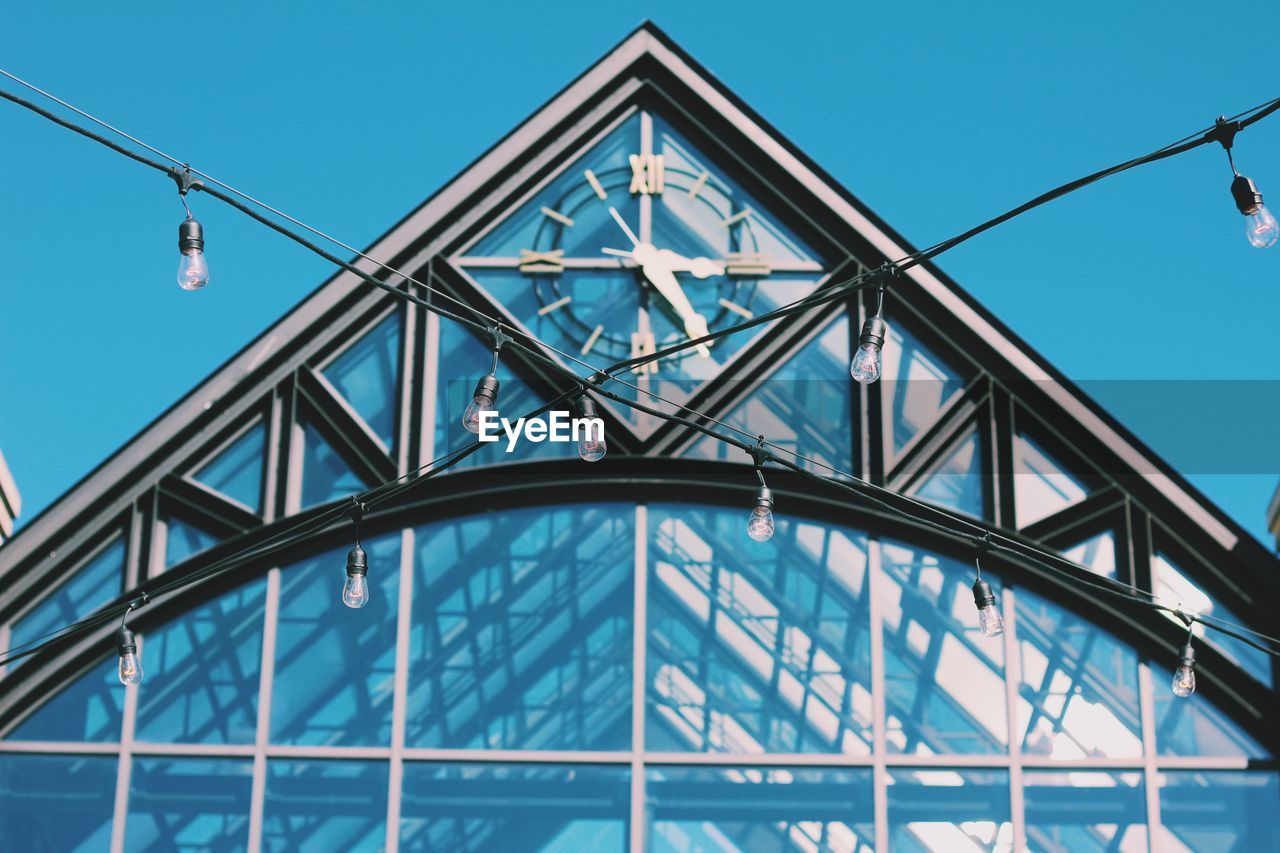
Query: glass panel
(949, 810)
(325, 806)
(571, 195)
(1097, 554)
(56, 803)
(959, 480)
(201, 683)
(335, 666)
(1085, 810)
(737, 809)
(237, 471)
(183, 540)
(88, 588)
(805, 406)
(522, 630)
(325, 474)
(1079, 692)
(915, 386)
(1041, 485)
(1174, 587)
(756, 647)
(530, 807)
(367, 374)
(89, 709)
(1193, 726)
(188, 805)
(1219, 810)
(944, 680)
(463, 360)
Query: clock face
(638, 243)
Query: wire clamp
(500, 338)
(185, 180)
(759, 453)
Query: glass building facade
(569, 657)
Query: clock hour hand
(700, 267)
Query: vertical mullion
(880, 772)
(266, 677)
(124, 771)
(430, 386)
(408, 349)
(400, 694)
(639, 676)
(1013, 678)
(1150, 775)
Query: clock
(637, 243)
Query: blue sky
(936, 115)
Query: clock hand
(664, 281)
(617, 217)
(700, 267)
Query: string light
(865, 367)
(1184, 677)
(591, 444)
(1260, 225)
(760, 524)
(355, 590)
(193, 269)
(989, 618)
(130, 667)
(485, 397)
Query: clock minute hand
(664, 281)
(700, 267)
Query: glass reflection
(237, 471)
(916, 385)
(745, 808)
(1085, 810)
(522, 630)
(1041, 484)
(367, 374)
(1098, 554)
(756, 647)
(1193, 726)
(90, 708)
(959, 480)
(800, 406)
(202, 672)
(1174, 587)
(944, 681)
(57, 803)
(335, 666)
(325, 806)
(945, 810)
(1079, 692)
(188, 804)
(183, 540)
(84, 591)
(326, 476)
(539, 808)
(1219, 810)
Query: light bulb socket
(487, 388)
(764, 497)
(873, 332)
(357, 561)
(126, 642)
(190, 236)
(982, 594)
(1246, 195)
(585, 407)
(1188, 656)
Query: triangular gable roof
(646, 57)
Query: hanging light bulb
(484, 399)
(865, 367)
(760, 525)
(193, 270)
(591, 446)
(1259, 225)
(1184, 677)
(130, 670)
(989, 619)
(355, 592)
